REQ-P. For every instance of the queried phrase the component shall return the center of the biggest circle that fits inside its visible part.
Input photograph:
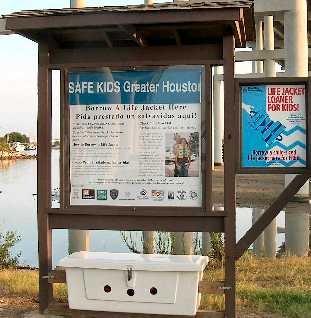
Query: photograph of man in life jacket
(182, 154)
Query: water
(18, 213)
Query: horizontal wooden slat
(191, 54)
(57, 276)
(62, 309)
(139, 211)
(136, 223)
(206, 287)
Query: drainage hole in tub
(153, 291)
(131, 292)
(107, 289)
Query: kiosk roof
(178, 23)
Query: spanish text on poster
(273, 126)
(135, 137)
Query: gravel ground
(27, 308)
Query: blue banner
(161, 86)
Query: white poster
(135, 137)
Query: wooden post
(44, 175)
(229, 174)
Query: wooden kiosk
(196, 33)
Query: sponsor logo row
(155, 195)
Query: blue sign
(161, 86)
(273, 126)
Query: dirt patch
(19, 307)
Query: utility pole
(78, 240)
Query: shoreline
(14, 155)
(252, 190)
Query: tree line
(14, 137)
(10, 138)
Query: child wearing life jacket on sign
(182, 158)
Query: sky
(18, 69)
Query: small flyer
(273, 126)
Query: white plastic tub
(121, 282)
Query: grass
(281, 286)
(24, 283)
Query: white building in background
(19, 147)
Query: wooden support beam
(139, 39)
(44, 132)
(243, 31)
(230, 157)
(177, 37)
(57, 277)
(237, 33)
(276, 207)
(107, 39)
(169, 27)
(131, 222)
(161, 55)
(206, 287)
(133, 33)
